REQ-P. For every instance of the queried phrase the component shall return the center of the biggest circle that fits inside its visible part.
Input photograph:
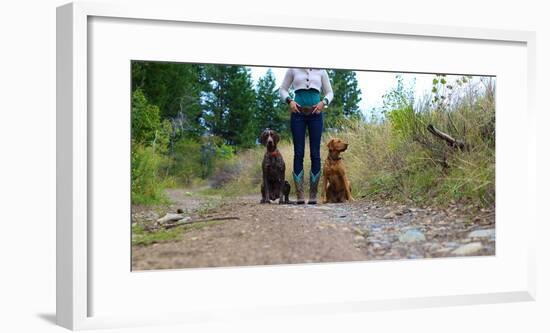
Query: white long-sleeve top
(306, 78)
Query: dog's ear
(275, 137)
(263, 137)
(330, 144)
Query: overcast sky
(373, 85)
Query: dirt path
(286, 234)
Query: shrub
(226, 172)
(404, 122)
(186, 165)
(147, 185)
(225, 152)
(240, 174)
(147, 127)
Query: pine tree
(347, 96)
(271, 111)
(176, 89)
(229, 104)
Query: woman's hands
(294, 107)
(319, 107)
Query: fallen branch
(184, 222)
(451, 142)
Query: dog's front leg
(267, 196)
(286, 191)
(347, 187)
(282, 191)
(324, 188)
(350, 198)
(262, 200)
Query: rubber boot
(299, 183)
(313, 186)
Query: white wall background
(27, 168)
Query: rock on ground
(468, 249)
(482, 233)
(412, 236)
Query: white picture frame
(74, 286)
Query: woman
(306, 114)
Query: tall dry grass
(398, 159)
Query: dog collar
(274, 153)
(334, 159)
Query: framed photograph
(204, 172)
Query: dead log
(451, 142)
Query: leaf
(443, 81)
(434, 90)
(435, 81)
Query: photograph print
(236, 165)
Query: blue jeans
(313, 123)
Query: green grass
(141, 237)
(150, 200)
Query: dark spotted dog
(274, 185)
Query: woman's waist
(307, 97)
(306, 110)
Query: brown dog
(336, 185)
